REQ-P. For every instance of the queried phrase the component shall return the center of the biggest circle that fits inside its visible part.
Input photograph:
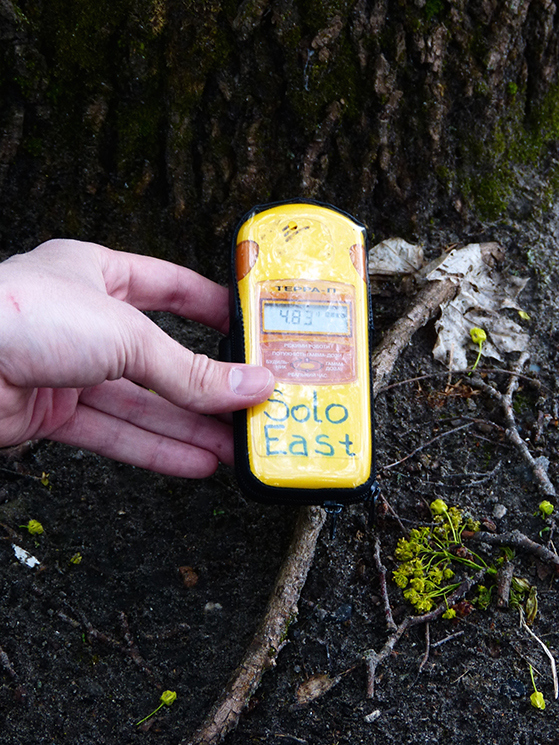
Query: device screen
(305, 318)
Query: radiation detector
(301, 307)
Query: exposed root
(272, 634)
(381, 569)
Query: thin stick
(449, 638)
(381, 569)
(426, 444)
(427, 648)
(271, 635)
(505, 399)
(446, 373)
(504, 581)
(516, 539)
(373, 659)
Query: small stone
(188, 576)
(499, 511)
(343, 613)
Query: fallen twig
(426, 444)
(448, 638)
(512, 434)
(446, 373)
(373, 659)
(425, 657)
(427, 303)
(271, 635)
(516, 539)
(381, 569)
(503, 584)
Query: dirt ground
(90, 646)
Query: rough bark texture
(154, 124)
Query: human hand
(77, 359)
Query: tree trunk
(153, 125)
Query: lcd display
(305, 318)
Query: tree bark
(153, 125)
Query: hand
(78, 359)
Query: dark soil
(90, 646)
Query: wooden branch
(505, 399)
(272, 634)
(516, 539)
(373, 659)
(381, 569)
(427, 303)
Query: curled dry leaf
(315, 687)
(483, 294)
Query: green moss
(488, 177)
(432, 8)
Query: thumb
(198, 383)
(213, 387)
(192, 381)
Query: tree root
(516, 539)
(272, 634)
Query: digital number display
(306, 318)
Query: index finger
(153, 284)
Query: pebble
(499, 511)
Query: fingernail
(249, 380)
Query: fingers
(125, 400)
(191, 381)
(142, 281)
(114, 438)
(153, 284)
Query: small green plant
(479, 337)
(34, 527)
(545, 509)
(524, 595)
(536, 699)
(167, 698)
(429, 556)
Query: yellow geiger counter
(301, 308)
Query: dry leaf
(394, 257)
(315, 687)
